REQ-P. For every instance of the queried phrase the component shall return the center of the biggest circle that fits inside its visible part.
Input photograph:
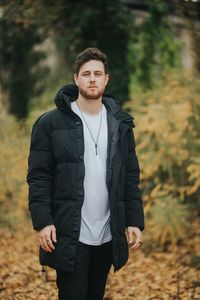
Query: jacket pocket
(61, 258)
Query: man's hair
(90, 54)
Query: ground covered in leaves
(149, 274)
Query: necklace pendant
(96, 148)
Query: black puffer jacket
(56, 176)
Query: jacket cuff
(141, 227)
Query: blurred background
(153, 49)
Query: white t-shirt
(95, 213)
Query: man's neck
(90, 106)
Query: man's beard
(91, 94)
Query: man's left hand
(134, 232)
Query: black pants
(88, 280)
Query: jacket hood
(69, 93)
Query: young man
(83, 181)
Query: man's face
(91, 80)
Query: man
(83, 183)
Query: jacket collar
(69, 93)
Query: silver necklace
(95, 142)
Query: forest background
(154, 61)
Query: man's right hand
(46, 237)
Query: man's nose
(92, 77)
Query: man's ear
(75, 79)
(107, 78)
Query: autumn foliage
(168, 144)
